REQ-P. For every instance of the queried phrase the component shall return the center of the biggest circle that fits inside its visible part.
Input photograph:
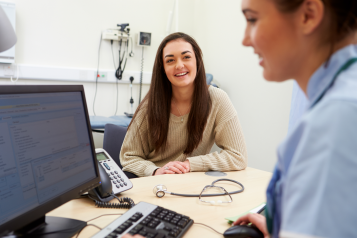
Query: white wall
(66, 34)
(263, 107)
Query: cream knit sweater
(138, 153)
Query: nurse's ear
(311, 15)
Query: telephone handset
(113, 181)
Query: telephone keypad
(117, 179)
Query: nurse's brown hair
(342, 15)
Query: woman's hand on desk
(174, 167)
(257, 220)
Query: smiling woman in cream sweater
(177, 123)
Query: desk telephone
(113, 181)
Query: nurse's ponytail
(342, 13)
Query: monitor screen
(46, 151)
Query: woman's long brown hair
(159, 100)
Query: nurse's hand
(174, 167)
(130, 236)
(257, 220)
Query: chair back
(113, 139)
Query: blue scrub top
(313, 192)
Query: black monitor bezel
(40, 211)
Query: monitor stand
(53, 227)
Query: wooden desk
(255, 183)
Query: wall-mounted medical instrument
(160, 190)
(143, 40)
(131, 113)
(122, 35)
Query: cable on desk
(105, 215)
(208, 227)
(96, 77)
(116, 105)
(86, 226)
(124, 202)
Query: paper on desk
(254, 210)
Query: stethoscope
(160, 190)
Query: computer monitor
(47, 156)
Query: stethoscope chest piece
(159, 190)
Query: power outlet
(102, 76)
(9, 70)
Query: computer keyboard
(148, 220)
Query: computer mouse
(243, 231)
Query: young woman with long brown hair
(179, 120)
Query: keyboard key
(118, 181)
(144, 222)
(119, 230)
(152, 225)
(116, 172)
(143, 233)
(182, 223)
(115, 177)
(174, 233)
(122, 227)
(135, 230)
(136, 216)
(154, 213)
(174, 221)
(111, 173)
(160, 235)
(125, 183)
(177, 229)
(118, 186)
(150, 235)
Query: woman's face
(274, 38)
(180, 63)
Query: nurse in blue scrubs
(313, 191)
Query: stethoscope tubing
(212, 195)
